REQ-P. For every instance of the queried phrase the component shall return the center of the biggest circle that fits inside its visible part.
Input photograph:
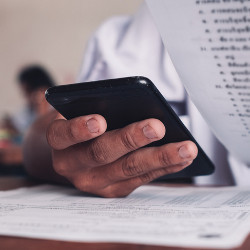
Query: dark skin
(108, 164)
(12, 154)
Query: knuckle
(165, 158)
(83, 184)
(128, 141)
(131, 166)
(61, 168)
(72, 132)
(97, 152)
(54, 134)
(145, 178)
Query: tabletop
(13, 243)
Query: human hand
(11, 155)
(113, 163)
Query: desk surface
(13, 243)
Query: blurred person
(33, 81)
(114, 163)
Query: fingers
(111, 165)
(115, 144)
(64, 133)
(148, 160)
(123, 188)
(140, 167)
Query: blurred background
(52, 34)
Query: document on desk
(209, 44)
(191, 217)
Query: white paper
(191, 217)
(209, 43)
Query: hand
(11, 155)
(113, 164)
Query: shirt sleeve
(131, 46)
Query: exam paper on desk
(209, 44)
(201, 217)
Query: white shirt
(23, 119)
(130, 46)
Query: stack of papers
(155, 215)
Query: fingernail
(149, 132)
(183, 152)
(185, 163)
(92, 125)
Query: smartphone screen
(123, 101)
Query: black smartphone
(123, 101)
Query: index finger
(63, 133)
(116, 143)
